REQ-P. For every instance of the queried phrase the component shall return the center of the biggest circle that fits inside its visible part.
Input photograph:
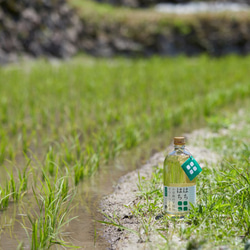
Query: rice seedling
(116, 106)
(4, 197)
(50, 162)
(15, 188)
(48, 221)
(18, 187)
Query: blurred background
(90, 90)
(122, 27)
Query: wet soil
(84, 231)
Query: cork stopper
(179, 140)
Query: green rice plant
(87, 166)
(50, 164)
(79, 170)
(92, 110)
(18, 187)
(69, 155)
(77, 146)
(15, 188)
(5, 194)
(54, 206)
(3, 147)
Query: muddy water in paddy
(84, 231)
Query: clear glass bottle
(178, 191)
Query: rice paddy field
(61, 123)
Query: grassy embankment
(102, 13)
(213, 33)
(222, 215)
(60, 122)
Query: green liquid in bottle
(179, 191)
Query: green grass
(221, 216)
(75, 116)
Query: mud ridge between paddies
(130, 233)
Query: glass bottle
(179, 191)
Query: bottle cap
(179, 140)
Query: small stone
(159, 216)
(31, 16)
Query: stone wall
(216, 36)
(37, 28)
(50, 28)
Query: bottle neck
(179, 147)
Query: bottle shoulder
(179, 152)
(177, 156)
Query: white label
(178, 199)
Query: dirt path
(125, 194)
